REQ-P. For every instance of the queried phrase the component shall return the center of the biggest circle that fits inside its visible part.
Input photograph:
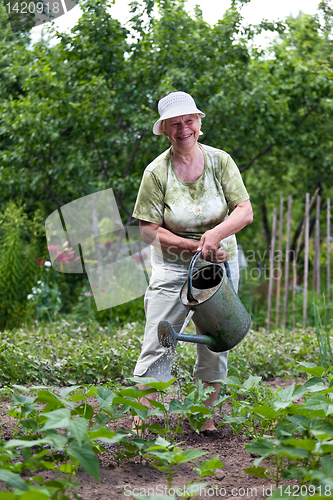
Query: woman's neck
(186, 157)
(189, 165)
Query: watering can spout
(168, 337)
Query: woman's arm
(154, 234)
(240, 217)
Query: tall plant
(18, 265)
(323, 337)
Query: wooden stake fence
(271, 270)
(306, 259)
(316, 267)
(286, 270)
(298, 249)
(328, 267)
(279, 276)
(275, 274)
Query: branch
(262, 153)
(129, 164)
(106, 165)
(265, 224)
(53, 197)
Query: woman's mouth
(184, 137)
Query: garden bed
(276, 407)
(139, 476)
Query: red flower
(65, 257)
(52, 248)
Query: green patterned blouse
(189, 209)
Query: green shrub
(18, 262)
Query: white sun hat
(175, 104)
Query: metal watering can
(214, 306)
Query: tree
(80, 117)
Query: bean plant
(291, 429)
(300, 443)
(59, 430)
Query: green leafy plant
(302, 433)
(46, 299)
(194, 408)
(160, 407)
(18, 265)
(252, 406)
(168, 457)
(68, 353)
(323, 337)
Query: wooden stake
(306, 259)
(271, 271)
(328, 267)
(286, 269)
(294, 289)
(316, 269)
(279, 268)
(298, 249)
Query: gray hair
(163, 122)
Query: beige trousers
(162, 302)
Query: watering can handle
(227, 268)
(190, 297)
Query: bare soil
(133, 477)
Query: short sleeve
(149, 204)
(232, 183)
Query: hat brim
(157, 128)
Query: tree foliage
(76, 117)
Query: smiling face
(182, 131)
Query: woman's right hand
(210, 247)
(217, 257)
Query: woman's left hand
(210, 247)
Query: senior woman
(183, 204)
